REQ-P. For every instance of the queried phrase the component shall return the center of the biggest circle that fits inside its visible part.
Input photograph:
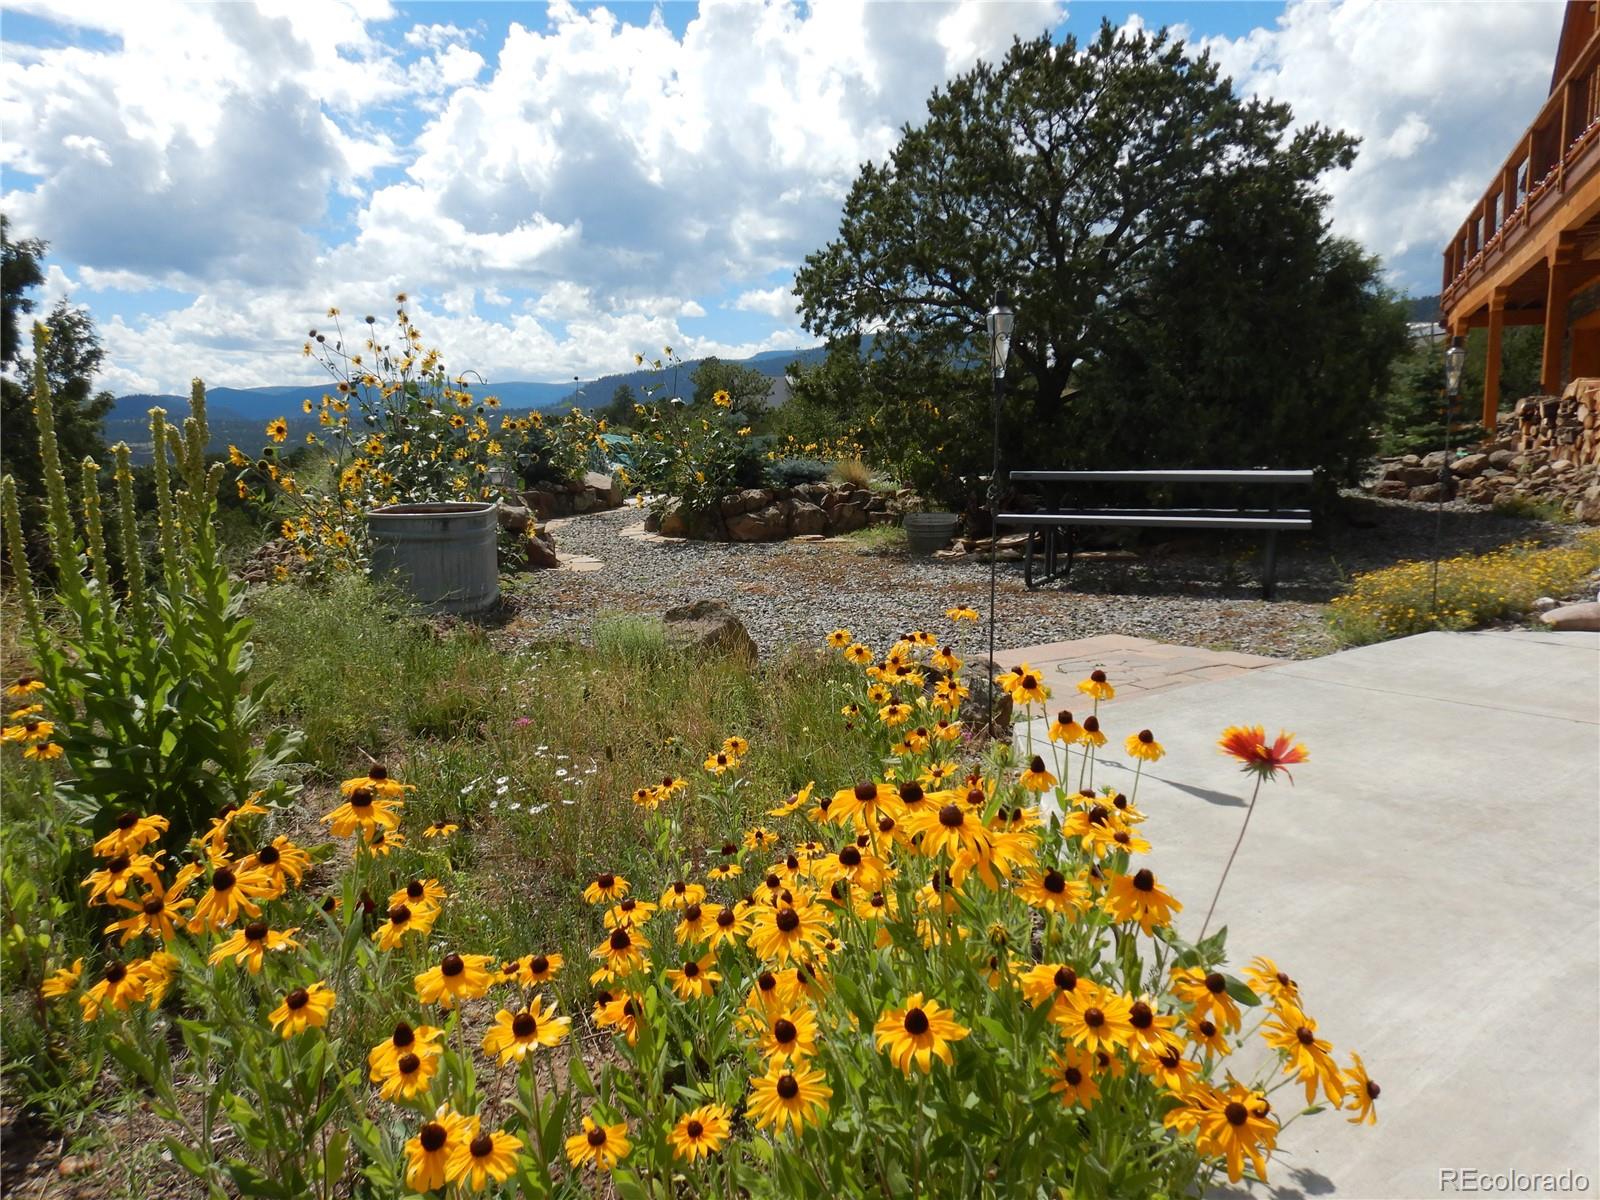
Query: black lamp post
(999, 322)
(1454, 359)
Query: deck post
(1491, 363)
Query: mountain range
(239, 414)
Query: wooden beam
(1491, 362)
(1563, 250)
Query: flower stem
(1229, 866)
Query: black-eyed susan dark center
(403, 1036)
(788, 920)
(481, 1146)
(433, 1137)
(788, 1087)
(784, 1031)
(951, 817)
(408, 1064)
(1054, 882)
(452, 965)
(1145, 880)
(1065, 979)
(1236, 1113)
(916, 1022)
(523, 1025)
(298, 998)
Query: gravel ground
(1200, 591)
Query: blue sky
(558, 186)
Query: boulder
(750, 499)
(882, 517)
(1391, 489)
(1584, 617)
(847, 517)
(542, 552)
(673, 524)
(540, 502)
(607, 490)
(808, 518)
(1500, 459)
(515, 517)
(583, 502)
(1410, 460)
(709, 626)
(1470, 464)
(1428, 493)
(1411, 476)
(763, 525)
(1434, 459)
(1545, 604)
(862, 496)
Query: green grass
(535, 752)
(1532, 508)
(878, 540)
(630, 638)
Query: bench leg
(1027, 561)
(1269, 569)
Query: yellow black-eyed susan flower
(597, 1145)
(62, 981)
(605, 888)
(481, 1158)
(1097, 686)
(302, 1009)
(517, 1034)
(916, 1033)
(457, 977)
(430, 1152)
(251, 944)
(695, 979)
(788, 1097)
(700, 1132)
(1072, 1077)
(383, 1058)
(1139, 897)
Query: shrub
(791, 472)
(853, 472)
(1474, 589)
(692, 455)
(887, 540)
(1531, 508)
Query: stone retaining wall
(771, 514)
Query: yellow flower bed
(1474, 589)
(956, 978)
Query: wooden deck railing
(1560, 147)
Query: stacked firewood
(1566, 428)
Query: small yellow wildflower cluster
(1473, 589)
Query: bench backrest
(1287, 477)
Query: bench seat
(1048, 526)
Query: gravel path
(1200, 591)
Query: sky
(559, 186)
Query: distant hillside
(1423, 308)
(238, 415)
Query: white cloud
(776, 302)
(1438, 93)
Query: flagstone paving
(1430, 879)
(1140, 666)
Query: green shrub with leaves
(690, 456)
(140, 684)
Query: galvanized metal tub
(443, 555)
(927, 532)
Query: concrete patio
(1431, 880)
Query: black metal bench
(1052, 528)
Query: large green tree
(1090, 182)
